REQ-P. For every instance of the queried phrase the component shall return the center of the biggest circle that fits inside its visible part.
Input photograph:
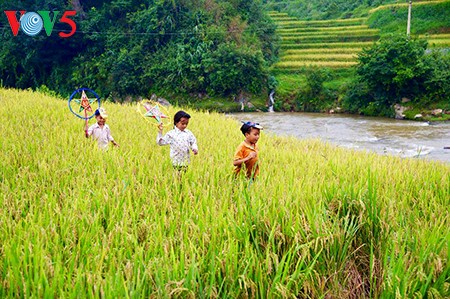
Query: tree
(393, 68)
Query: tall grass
(319, 222)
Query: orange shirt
(252, 165)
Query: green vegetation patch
(426, 18)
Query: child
(100, 131)
(180, 139)
(247, 152)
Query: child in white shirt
(180, 139)
(100, 131)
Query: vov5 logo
(31, 23)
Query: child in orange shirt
(247, 152)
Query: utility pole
(408, 26)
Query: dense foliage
(398, 67)
(135, 47)
(323, 9)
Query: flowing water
(384, 136)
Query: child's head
(100, 116)
(251, 131)
(181, 120)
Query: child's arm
(88, 132)
(110, 138)
(194, 145)
(245, 159)
(160, 140)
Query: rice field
(288, 22)
(320, 57)
(324, 34)
(322, 29)
(319, 222)
(326, 43)
(438, 43)
(322, 51)
(295, 65)
(327, 46)
(405, 4)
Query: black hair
(179, 115)
(246, 129)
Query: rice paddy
(328, 43)
(319, 222)
(333, 44)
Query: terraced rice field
(327, 43)
(332, 43)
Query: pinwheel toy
(84, 107)
(154, 112)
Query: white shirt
(180, 144)
(101, 134)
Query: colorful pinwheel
(84, 107)
(153, 110)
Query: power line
(258, 30)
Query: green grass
(319, 222)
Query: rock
(331, 111)
(418, 116)
(159, 100)
(436, 112)
(250, 105)
(399, 109)
(406, 100)
(163, 102)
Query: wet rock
(399, 109)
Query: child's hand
(160, 127)
(195, 151)
(86, 133)
(251, 155)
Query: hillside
(329, 43)
(336, 43)
(319, 222)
